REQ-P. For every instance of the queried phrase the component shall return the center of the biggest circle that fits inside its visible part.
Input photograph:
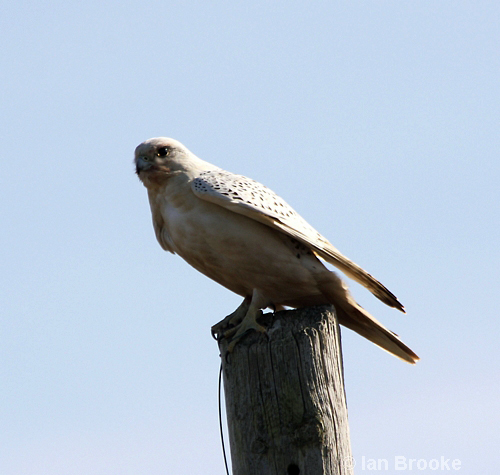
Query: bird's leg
(249, 321)
(233, 319)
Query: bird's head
(159, 158)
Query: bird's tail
(356, 318)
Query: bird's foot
(218, 330)
(231, 321)
(248, 324)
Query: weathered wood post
(285, 397)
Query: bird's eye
(163, 151)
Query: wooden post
(285, 397)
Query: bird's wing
(254, 200)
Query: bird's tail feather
(356, 318)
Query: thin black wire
(220, 420)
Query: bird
(242, 235)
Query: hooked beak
(141, 165)
(150, 172)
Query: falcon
(245, 237)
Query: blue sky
(377, 120)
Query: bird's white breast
(234, 250)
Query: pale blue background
(379, 121)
